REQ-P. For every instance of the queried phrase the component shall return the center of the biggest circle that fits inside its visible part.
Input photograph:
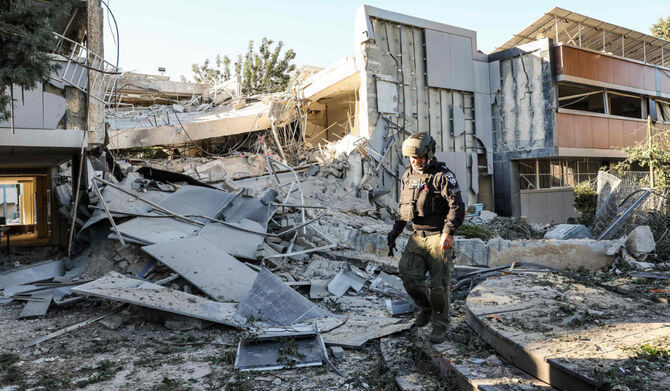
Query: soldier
(431, 200)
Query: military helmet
(419, 144)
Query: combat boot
(423, 318)
(439, 333)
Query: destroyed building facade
(570, 92)
(52, 121)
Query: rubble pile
(283, 267)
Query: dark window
(581, 98)
(624, 105)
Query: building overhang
(34, 149)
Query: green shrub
(471, 231)
(586, 201)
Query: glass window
(581, 98)
(624, 105)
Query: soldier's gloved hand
(390, 239)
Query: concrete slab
(360, 329)
(233, 241)
(274, 302)
(204, 265)
(117, 287)
(33, 273)
(37, 308)
(568, 334)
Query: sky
(175, 34)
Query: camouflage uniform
(431, 201)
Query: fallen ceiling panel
(33, 273)
(233, 241)
(272, 301)
(204, 265)
(117, 287)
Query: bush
(513, 228)
(586, 201)
(471, 231)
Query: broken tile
(204, 265)
(115, 286)
(276, 303)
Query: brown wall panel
(600, 133)
(635, 78)
(615, 133)
(649, 75)
(566, 130)
(583, 134)
(570, 61)
(630, 136)
(665, 82)
(604, 68)
(620, 72)
(587, 65)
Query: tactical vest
(420, 198)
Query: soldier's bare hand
(446, 242)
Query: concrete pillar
(506, 185)
(27, 202)
(96, 109)
(41, 206)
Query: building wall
(441, 86)
(551, 206)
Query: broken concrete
(640, 241)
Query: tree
(26, 38)
(264, 71)
(661, 29)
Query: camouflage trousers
(423, 254)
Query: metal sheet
(204, 265)
(276, 303)
(197, 200)
(438, 64)
(345, 279)
(482, 83)
(54, 109)
(474, 173)
(375, 145)
(234, 241)
(28, 108)
(115, 286)
(33, 273)
(462, 65)
(484, 120)
(459, 120)
(157, 230)
(250, 208)
(387, 97)
(279, 350)
(494, 77)
(38, 308)
(318, 289)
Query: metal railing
(79, 60)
